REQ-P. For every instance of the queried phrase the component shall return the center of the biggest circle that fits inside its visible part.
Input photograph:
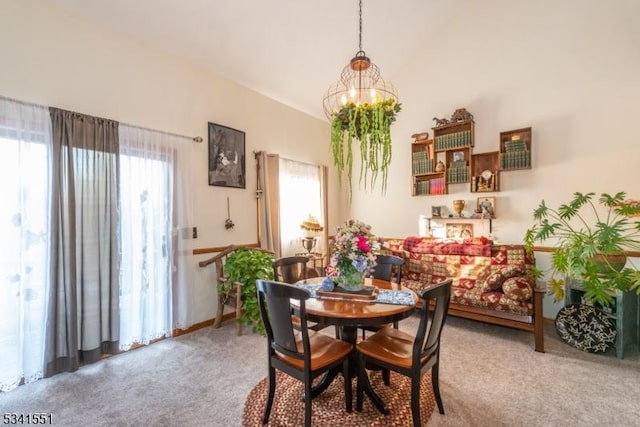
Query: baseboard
(209, 322)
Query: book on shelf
(515, 145)
(515, 159)
(420, 163)
(450, 141)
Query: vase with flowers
(353, 255)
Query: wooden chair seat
(391, 346)
(324, 351)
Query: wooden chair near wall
(292, 350)
(410, 355)
(232, 298)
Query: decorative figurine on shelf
(461, 115)
(441, 122)
(420, 136)
(440, 166)
(458, 206)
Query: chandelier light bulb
(343, 100)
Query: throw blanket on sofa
(475, 247)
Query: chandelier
(361, 106)
(360, 83)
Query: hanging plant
(370, 124)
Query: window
(25, 137)
(300, 196)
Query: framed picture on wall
(487, 207)
(226, 157)
(436, 211)
(459, 231)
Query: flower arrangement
(353, 254)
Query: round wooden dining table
(350, 314)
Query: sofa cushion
(495, 280)
(518, 288)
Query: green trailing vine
(370, 124)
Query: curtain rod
(31, 104)
(197, 139)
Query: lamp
(360, 83)
(310, 228)
(361, 105)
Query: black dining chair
(300, 355)
(292, 269)
(386, 266)
(410, 355)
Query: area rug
(328, 408)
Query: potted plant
(370, 124)
(245, 266)
(591, 240)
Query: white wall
(568, 69)
(53, 58)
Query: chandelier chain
(360, 32)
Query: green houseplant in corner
(245, 266)
(590, 243)
(370, 124)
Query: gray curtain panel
(83, 314)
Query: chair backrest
(385, 268)
(290, 269)
(274, 301)
(435, 305)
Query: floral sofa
(491, 283)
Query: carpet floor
(328, 408)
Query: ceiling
(288, 50)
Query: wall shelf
(459, 219)
(515, 149)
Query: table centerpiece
(353, 255)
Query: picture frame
(458, 156)
(226, 156)
(436, 211)
(459, 231)
(486, 206)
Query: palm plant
(592, 253)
